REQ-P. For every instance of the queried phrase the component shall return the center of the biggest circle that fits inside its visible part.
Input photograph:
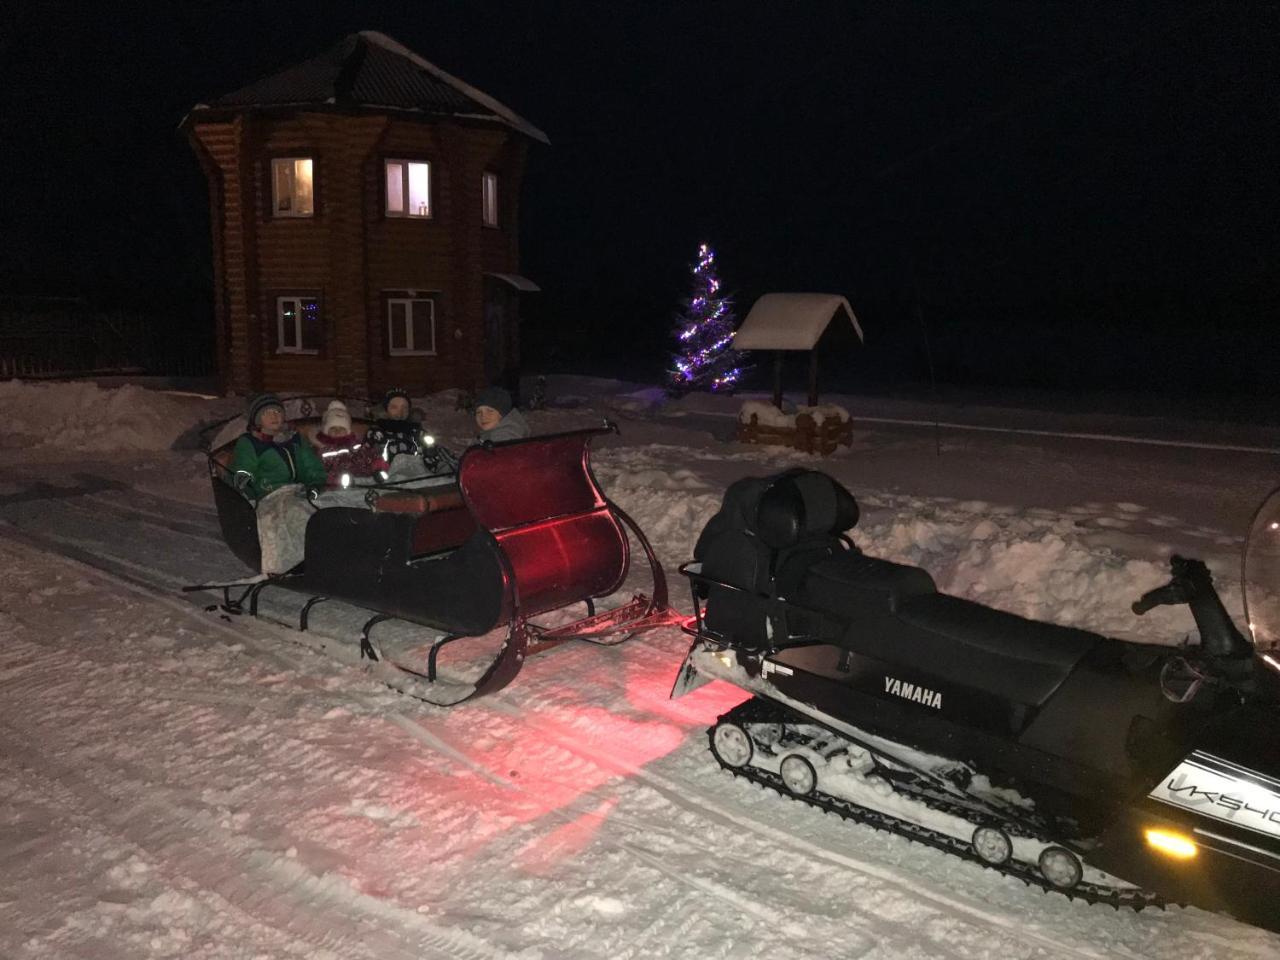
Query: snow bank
(81, 416)
(1037, 564)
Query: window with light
(411, 323)
(408, 188)
(292, 187)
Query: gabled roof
(369, 70)
(791, 321)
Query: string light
(704, 330)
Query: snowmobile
(502, 534)
(1116, 772)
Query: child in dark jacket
(270, 455)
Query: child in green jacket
(270, 455)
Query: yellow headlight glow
(1172, 844)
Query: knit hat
(393, 393)
(260, 403)
(494, 397)
(336, 416)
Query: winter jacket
(390, 438)
(349, 455)
(513, 426)
(270, 463)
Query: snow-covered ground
(176, 782)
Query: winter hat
(494, 397)
(260, 403)
(336, 415)
(393, 393)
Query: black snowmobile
(1116, 772)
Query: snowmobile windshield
(1262, 575)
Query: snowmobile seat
(1022, 660)
(852, 584)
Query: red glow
(543, 856)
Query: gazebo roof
(791, 321)
(371, 71)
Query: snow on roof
(523, 284)
(791, 321)
(371, 70)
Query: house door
(499, 313)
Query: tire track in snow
(322, 911)
(277, 890)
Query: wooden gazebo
(792, 321)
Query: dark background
(1033, 194)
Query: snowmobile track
(754, 711)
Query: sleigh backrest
(542, 505)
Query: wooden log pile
(819, 430)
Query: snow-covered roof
(791, 321)
(371, 70)
(523, 284)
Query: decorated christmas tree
(705, 359)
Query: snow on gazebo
(794, 321)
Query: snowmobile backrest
(803, 505)
(728, 547)
(540, 501)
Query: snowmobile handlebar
(1192, 584)
(1168, 595)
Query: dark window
(298, 325)
(489, 200)
(411, 323)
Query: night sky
(1064, 194)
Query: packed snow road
(181, 783)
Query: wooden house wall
(350, 253)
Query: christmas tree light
(705, 359)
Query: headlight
(1171, 843)
(346, 480)
(428, 440)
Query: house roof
(369, 70)
(791, 321)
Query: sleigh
(521, 532)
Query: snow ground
(179, 783)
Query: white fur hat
(336, 415)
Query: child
(272, 464)
(394, 434)
(497, 417)
(269, 455)
(342, 452)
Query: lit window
(292, 192)
(297, 325)
(489, 202)
(411, 327)
(408, 188)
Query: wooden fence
(66, 337)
